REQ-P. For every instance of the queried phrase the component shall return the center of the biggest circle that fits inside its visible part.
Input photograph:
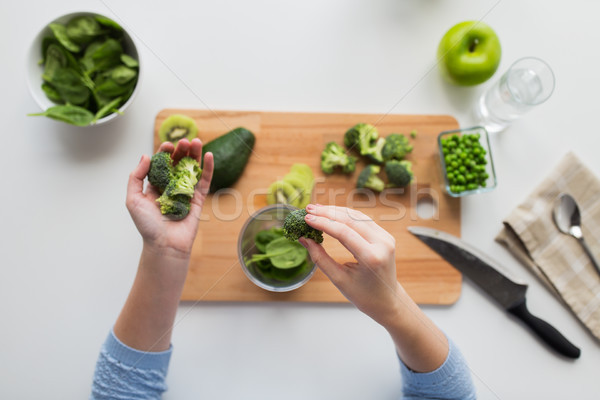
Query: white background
(69, 250)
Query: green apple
(469, 53)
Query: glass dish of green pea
(466, 161)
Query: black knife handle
(545, 331)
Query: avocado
(231, 153)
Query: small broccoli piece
(185, 177)
(176, 207)
(161, 170)
(365, 138)
(413, 134)
(374, 152)
(396, 147)
(368, 179)
(399, 173)
(334, 156)
(294, 227)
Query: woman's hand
(370, 283)
(158, 231)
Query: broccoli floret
(366, 140)
(399, 173)
(185, 177)
(396, 147)
(374, 152)
(294, 227)
(161, 170)
(368, 179)
(176, 207)
(334, 156)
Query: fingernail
(309, 217)
(310, 207)
(141, 159)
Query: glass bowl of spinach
(268, 259)
(83, 69)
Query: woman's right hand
(370, 283)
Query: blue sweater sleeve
(124, 373)
(452, 380)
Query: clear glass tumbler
(527, 83)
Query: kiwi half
(177, 127)
(281, 192)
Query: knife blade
(489, 276)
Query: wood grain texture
(283, 139)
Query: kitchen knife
(485, 272)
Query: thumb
(319, 256)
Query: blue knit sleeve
(452, 380)
(124, 373)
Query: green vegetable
(272, 245)
(465, 162)
(413, 134)
(73, 115)
(231, 154)
(83, 30)
(294, 227)
(334, 156)
(365, 138)
(84, 64)
(185, 177)
(263, 238)
(399, 173)
(283, 254)
(60, 33)
(176, 183)
(368, 179)
(396, 147)
(161, 170)
(176, 207)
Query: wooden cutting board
(283, 139)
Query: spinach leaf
(55, 59)
(73, 115)
(107, 109)
(60, 33)
(70, 86)
(52, 93)
(100, 56)
(129, 61)
(283, 253)
(263, 238)
(122, 74)
(109, 23)
(84, 29)
(109, 87)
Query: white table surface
(69, 250)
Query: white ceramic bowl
(35, 70)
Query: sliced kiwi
(177, 127)
(302, 185)
(303, 169)
(282, 192)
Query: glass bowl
(266, 218)
(488, 184)
(35, 69)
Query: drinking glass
(527, 83)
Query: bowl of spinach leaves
(83, 69)
(268, 258)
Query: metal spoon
(568, 220)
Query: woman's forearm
(421, 345)
(146, 320)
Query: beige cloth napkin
(559, 260)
